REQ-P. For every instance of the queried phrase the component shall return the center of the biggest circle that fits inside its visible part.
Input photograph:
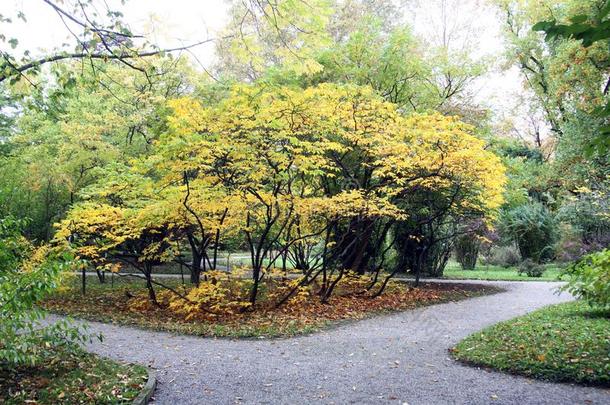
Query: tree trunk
(101, 275)
(84, 280)
(149, 285)
(196, 267)
(354, 243)
(255, 278)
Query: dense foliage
(532, 227)
(590, 279)
(27, 274)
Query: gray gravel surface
(396, 359)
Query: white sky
(167, 22)
(172, 23)
(500, 87)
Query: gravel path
(394, 359)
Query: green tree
(97, 33)
(65, 132)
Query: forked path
(399, 358)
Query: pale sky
(167, 22)
(172, 23)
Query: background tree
(66, 131)
(567, 76)
(468, 244)
(264, 35)
(589, 27)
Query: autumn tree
(340, 151)
(125, 223)
(263, 35)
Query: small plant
(590, 279)
(215, 296)
(531, 268)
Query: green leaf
(577, 19)
(543, 25)
(605, 10)
(577, 28)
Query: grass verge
(482, 272)
(115, 304)
(72, 377)
(564, 343)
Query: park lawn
(566, 343)
(483, 272)
(108, 303)
(72, 377)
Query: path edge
(147, 392)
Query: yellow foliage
(210, 298)
(281, 163)
(294, 139)
(37, 256)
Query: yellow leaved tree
(331, 178)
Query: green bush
(531, 268)
(13, 247)
(504, 256)
(534, 229)
(587, 213)
(590, 279)
(467, 251)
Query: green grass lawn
(566, 342)
(72, 377)
(484, 272)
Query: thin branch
(96, 55)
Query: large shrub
(590, 279)
(534, 229)
(570, 246)
(589, 222)
(467, 251)
(504, 256)
(468, 243)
